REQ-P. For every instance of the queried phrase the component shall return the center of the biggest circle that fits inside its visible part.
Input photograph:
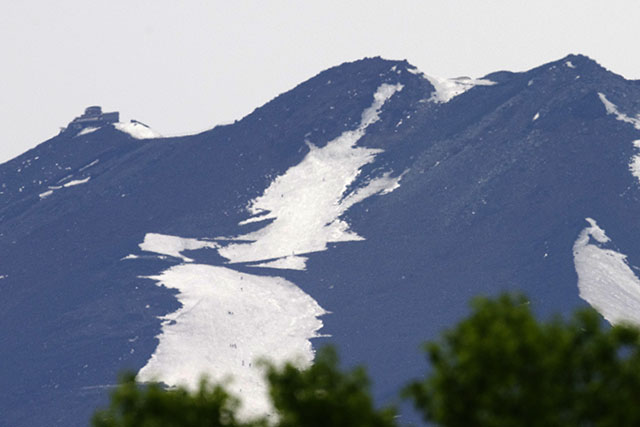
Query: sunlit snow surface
(137, 130)
(87, 130)
(45, 194)
(286, 263)
(307, 201)
(173, 245)
(72, 183)
(634, 163)
(228, 319)
(613, 109)
(76, 182)
(447, 89)
(605, 279)
(87, 166)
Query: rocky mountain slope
(364, 208)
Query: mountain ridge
(434, 202)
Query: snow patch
(286, 263)
(228, 320)
(45, 194)
(258, 218)
(596, 232)
(53, 188)
(95, 162)
(447, 89)
(77, 182)
(87, 130)
(634, 164)
(307, 201)
(137, 130)
(64, 178)
(605, 279)
(613, 109)
(173, 245)
(372, 114)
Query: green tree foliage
(153, 406)
(323, 396)
(501, 367)
(498, 367)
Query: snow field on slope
(605, 279)
(307, 201)
(227, 321)
(229, 318)
(447, 89)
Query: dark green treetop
(323, 396)
(498, 367)
(502, 367)
(151, 405)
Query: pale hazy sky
(184, 66)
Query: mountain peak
(357, 208)
(585, 66)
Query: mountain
(364, 208)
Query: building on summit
(93, 117)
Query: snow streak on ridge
(73, 183)
(605, 279)
(634, 164)
(613, 109)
